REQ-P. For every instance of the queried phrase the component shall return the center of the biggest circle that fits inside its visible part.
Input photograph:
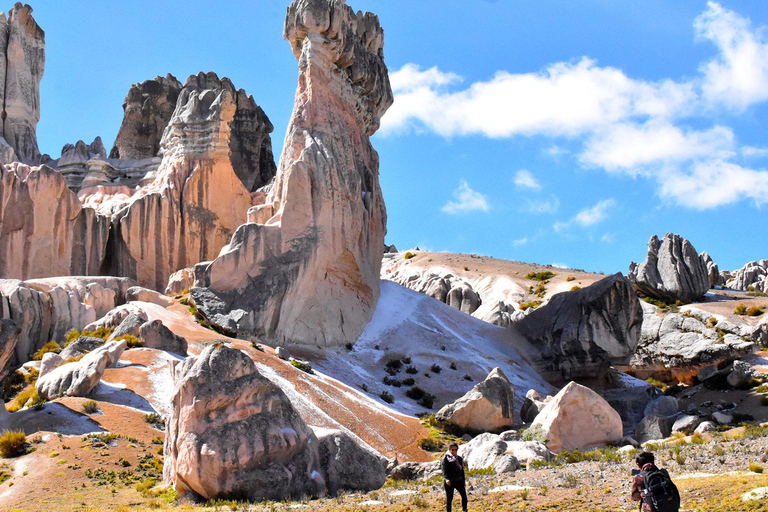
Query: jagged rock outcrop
(44, 229)
(715, 279)
(147, 110)
(685, 342)
(231, 432)
(190, 210)
(79, 346)
(45, 309)
(672, 271)
(305, 269)
(504, 452)
(149, 107)
(488, 407)
(22, 61)
(583, 332)
(348, 465)
(74, 161)
(156, 335)
(753, 275)
(578, 418)
(79, 378)
(532, 405)
(9, 337)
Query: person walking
(453, 473)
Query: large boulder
(653, 428)
(493, 451)
(23, 61)
(578, 418)
(672, 271)
(79, 378)
(744, 375)
(715, 279)
(487, 407)
(532, 405)
(9, 337)
(80, 346)
(582, 333)
(305, 268)
(154, 334)
(232, 432)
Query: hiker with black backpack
(653, 487)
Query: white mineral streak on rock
(305, 269)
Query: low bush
(435, 368)
(570, 278)
(393, 366)
(755, 467)
(412, 370)
(389, 381)
(387, 397)
(409, 381)
(755, 311)
(540, 276)
(409, 255)
(101, 332)
(155, 420)
(71, 336)
(12, 444)
(574, 288)
(90, 407)
(415, 393)
(302, 365)
(740, 309)
(530, 304)
(131, 341)
(51, 346)
(430, 444)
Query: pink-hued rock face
(22, 60)
(487, 407)
(578, 418)
(196, 201)
(44, 229)
(306, 267)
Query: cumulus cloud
(524, 179)
(624, 124)
(466, 200)
(738, 76)
(588, 216)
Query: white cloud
(467, 200)
(630, 146)
(588, 216)
(715, 183)
(608, 238)
(549, 206)
(556, 151)
(738, 76)
(560, 265)
(524, 179)
(520, 241)
(753, 152)
(625, 125)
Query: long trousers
(459, 486)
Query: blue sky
(555, 132)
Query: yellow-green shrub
(51, 346)
(12, 443)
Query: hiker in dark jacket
(645, 461)
(453, 473)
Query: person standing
(453, 473)
(652, 486)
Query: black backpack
(661, 493)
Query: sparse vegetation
(389, 381)
(156, 420)
(302, 365)
(570, 278)
(741, 309)
(755, 467)
(412, 370)
(131, 341)
(12, 444)
(574, 288)
(409, 255)
(530, 304)
(393, 366)
(51, 346)
(90, 407)
(387, 397)
(755, 311)
(540, 276)
(435, 368)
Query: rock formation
(578, 418)
(672, 271)
(305, 269)
(232, 432)
(45, 309)
(44, 229)
(9, 337)
(195, 202)
(715, 279)
(79, 378)
(581, 333)
(156, 335)
(504, 452)
(488, 407)
(147, 110)
(22, 54)
(753, 275)
(532, 406)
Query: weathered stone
(305, 269)
(23, 62)
(715, 278)
(137, 293)
(116, 316)
(532, 406)
(80, 346)
(753, 275)
(283, 353)
(50, 361)
(722, 418)
(744, 376)
(9, 337)
(672, 271)
(686, 423)
(129, 326)
(583, 332)
(578, 418)
(44, 230)
(491, 451)
(705, 426)
(654, 427)
(180, 281)
(147, 110)
(156, 335)
(81, 377)
(630, 403)
(662, 406)
(348, 465)
(487, 407)
(195, 192)
(73, 163)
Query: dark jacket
(638, 485)
(453, 471)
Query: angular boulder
(81, 377)
(305, 268)
(578, 418)
(672, 271)
(744, 376)
(80, 346)
(155, 335)
(715, 279)
(752, 275)
(532, 406)
(492, 451)
(654, 427)
(582, 333)
(347, 464)
(488, 407)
